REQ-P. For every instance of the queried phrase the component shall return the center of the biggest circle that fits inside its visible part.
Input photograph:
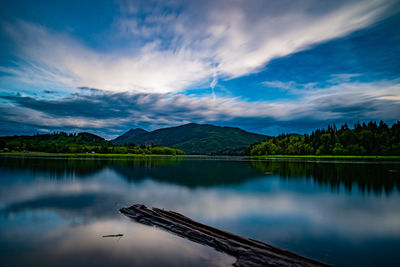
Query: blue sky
(264, 66)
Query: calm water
(55, 211)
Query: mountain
(128, 136)
(195, 139)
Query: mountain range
(195, 138)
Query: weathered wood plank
(248, 252)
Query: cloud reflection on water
(283, 208)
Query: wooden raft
(248, 252)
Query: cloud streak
(160, 64)
(108, 112)
(185, 46)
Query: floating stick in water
(117, 235)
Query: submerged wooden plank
(248, 252)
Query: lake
(55, 211)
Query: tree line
(61, 142)
(364, 139)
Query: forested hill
(363, 139)
(195, 139)
(129, 136)
(75, 143)
(50, 142)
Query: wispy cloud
(293, 87)
(182, 45)
(150, 59)
(290, 86)
(108, 112)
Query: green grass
(327, 156)
(44, 154)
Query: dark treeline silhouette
(363, 139)
(61, 142)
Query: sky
(266, 66)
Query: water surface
(54, 211)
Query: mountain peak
(136, 130)
(194, 138)
(129, 135)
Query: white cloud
(169, 52)
(107, 112)
(243, 36)
(227, 202)
(62, 58)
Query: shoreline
(325, 157)
(45, 154)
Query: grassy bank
(44, 154)
(327, 156)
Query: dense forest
(363, 139)
(77, 143)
